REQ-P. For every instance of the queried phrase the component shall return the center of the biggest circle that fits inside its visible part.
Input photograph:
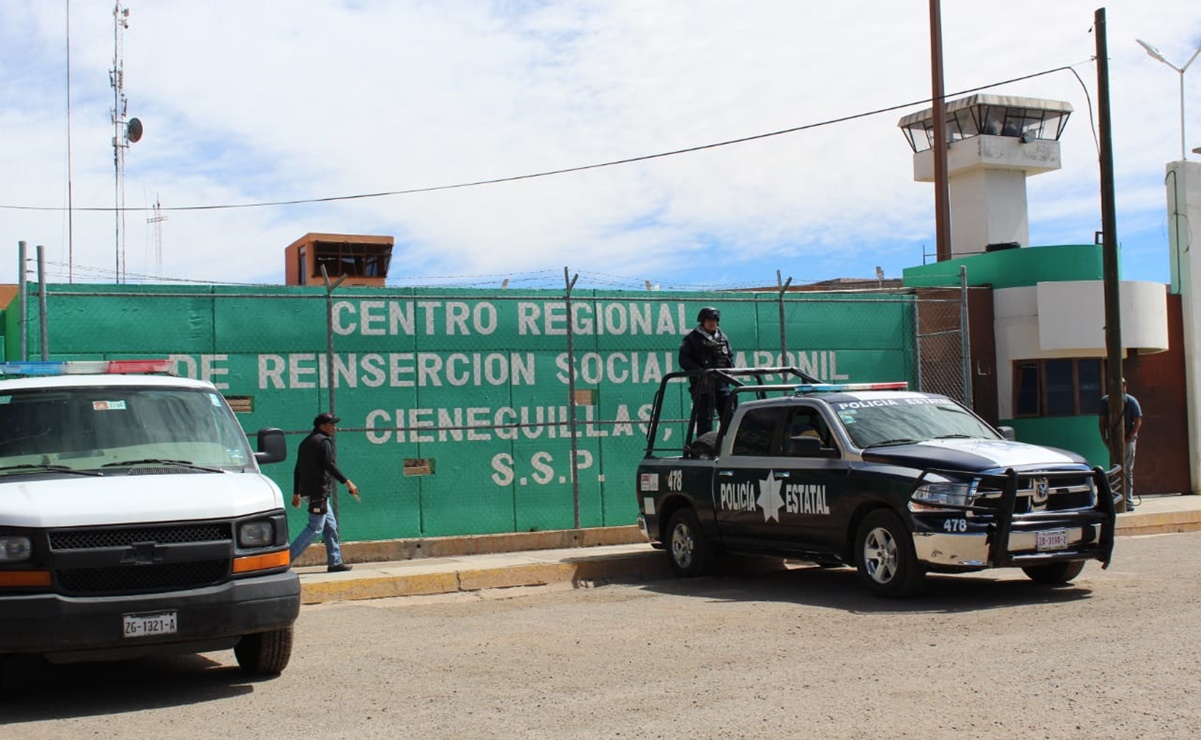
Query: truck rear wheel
(1054, 573)
(885, 557)
(687, 550)
(264, 653)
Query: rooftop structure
(994, 143)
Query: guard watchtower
(994, 143)
(358, 259)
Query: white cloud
(271, 100)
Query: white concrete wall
(986, 181)
(1183, 184)
(1067, 319)
(987, 207)
(994, 152)
(1015, 318)
(1072, 317)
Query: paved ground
(629, 558)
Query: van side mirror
(272, 446)
(1007, 433)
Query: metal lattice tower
(157, 219)
(120, 135)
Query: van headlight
(15, 548)
(258, 533)
(942, 495)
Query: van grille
(112, 570)
(87, 539)
(131, 579)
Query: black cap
(325, 419)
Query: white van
(134, 519)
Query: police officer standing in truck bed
(704, 348)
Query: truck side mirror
(272, 446)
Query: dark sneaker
(339, 568)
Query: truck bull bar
(1102, 512)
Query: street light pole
(1158, 55)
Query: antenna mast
(120, 134)
(157, 219)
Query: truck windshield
(94, 427)
(907, 420)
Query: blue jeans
(1129, 471)
(325, 525)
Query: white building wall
(1067, 319)
(1015, 318)
(1072, 317)
(987, 207)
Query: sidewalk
(452, 564)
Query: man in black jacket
(706, 348)
(313, 479)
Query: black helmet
(708, 312)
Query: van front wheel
(264, 653)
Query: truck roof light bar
(899, 385)
(89, 367)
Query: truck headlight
(259, 533)
(941, 495)
(15, 548)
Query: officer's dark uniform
(701, 350)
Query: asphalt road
(797, 653)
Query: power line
(569, 170)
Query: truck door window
(757, 430)
(805, 422)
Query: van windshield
(94, 427)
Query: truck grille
(1038, 493)
(76, 547)
(1046, 493)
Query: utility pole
(1109, 251)
(942, 197)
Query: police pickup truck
(134, 520)
(893, 482)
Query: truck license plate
(149, 625)
(1056, 539)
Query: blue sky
(281, 100)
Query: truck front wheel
(264, 653)
(885, 557)
(1054, 574)
(690, 554)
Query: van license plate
(149, 625)
(1056, 539)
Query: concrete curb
(578, 566)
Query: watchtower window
(352, 260)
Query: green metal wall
(1076, 433)
(472, 383)
(1013, 268)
